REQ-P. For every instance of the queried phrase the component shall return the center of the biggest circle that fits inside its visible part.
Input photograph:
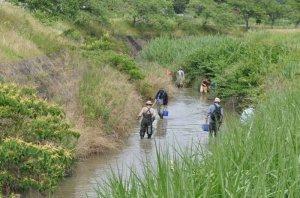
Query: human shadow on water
(146, 146)
(161, 130)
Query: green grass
(168, 51)
(260, 159)
(238, 66)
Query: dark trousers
(145, 125)
(214, 128)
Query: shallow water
(182, 127)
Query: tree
(247, 9)
(294, 11)
(219, 12)
(180, 6)
(274, 9)
(144, 10)
(204, 9)
(53, 7)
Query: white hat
(217, 100)
(148, 102)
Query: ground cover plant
(37, 143)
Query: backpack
(216, 114)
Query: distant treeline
(220, 13)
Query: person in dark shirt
(161, 100)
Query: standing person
(148, 114)
(205, 84)
(161, 100)
(203, 87)
(215, 116)
(180, 78)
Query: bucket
(205, 127)
(165, 113)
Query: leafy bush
(52, 7)
(237, 67)
(104, 43)
(36, 142)
(127, 65)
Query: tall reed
(259, 159)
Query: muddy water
(181, 127)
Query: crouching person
(148, 116)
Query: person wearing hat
(148, 116)
(215, 117)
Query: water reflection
(183, 125)
(146, 146)
(162, 128)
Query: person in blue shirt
(214, 117)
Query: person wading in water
(161, 100)
(148, 114)
(180, 78)
(215, 117)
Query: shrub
(36, 142)
(237, 67)
(52, 7)
(127, 65)
(104, 43)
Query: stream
(182, 127)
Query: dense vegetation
(259, 158)
(37, 144)
(237, 66)
(160, 14)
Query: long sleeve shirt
(211, 109)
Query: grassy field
(260, 158)
(88, 72)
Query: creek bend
(180, 129)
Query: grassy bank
(239, 66)
(259, 159)
(87, 71)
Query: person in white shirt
(180, 78)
